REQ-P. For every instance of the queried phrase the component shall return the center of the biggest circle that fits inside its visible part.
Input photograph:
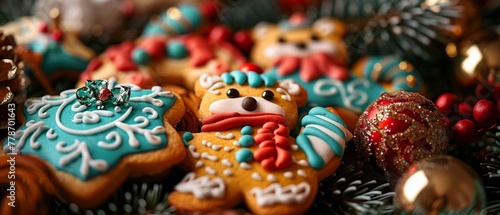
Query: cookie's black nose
(249, 104)
(301, 45)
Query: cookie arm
(324, 136)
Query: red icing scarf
(274, 144)
(272, 138)
(312, 67)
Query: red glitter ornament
(485, 113)
(398, 129)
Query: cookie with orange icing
(244, 152)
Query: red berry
(57, 35)
(220, 33)
(250, 67)
(243, 40)
(446, 101)
(485, 113)
(104, 94)
(465, 131)
(465, 110)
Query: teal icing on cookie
(55, 58)
(355, 93)
(227, 78)
(86, 141)
(269, 80)
(323, 137)
(186, 137)
(140, 57)
(239, 77)
(246, 130)
(176, 50)
(254, 80)
(389, 69)
(176, 20)
(246, 140)
(243, 155)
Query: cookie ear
(295, 90)
(208, 82)
(329, 26)
(262, 30)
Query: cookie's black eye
(281, 40)
(232, 93)
(314, 38)
(268, 95)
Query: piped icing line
(288, 174)
(98, 145)
(245, 165)
(228, 172)
(206, 155)
(226, 162)
(192, 150)
(275, 193)
(199, 164)
(271, 178)
(256, 176)
(224, 137)
(285, 96)
(323, 137)
(226, 121)
(228, 148)
(210, 170)
(300, 162)
(203, 187)
(301, 173)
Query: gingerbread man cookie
(244, 152)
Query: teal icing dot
(243, 155)
(239, 76)
(141, 57)
(186, 137)
(227, 78)
(176, 50)
(269, 80)
(254, 79)
(247, 130)
(246, 140)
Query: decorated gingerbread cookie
(50, 54)
(244, 152)
(313, 55)
(164, 60)
(96, 136)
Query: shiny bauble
(399, 129)
(440, 185)
(477, 56)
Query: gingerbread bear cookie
(244, 152)
(313, 54)
(97, 136)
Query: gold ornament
(478, 55)
(440, 185)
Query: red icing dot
(220, 32)
(120, 55)
(43, 27)
(250, 67)
(104, 94)
(154, 46)
(243, 40)
(57, 35)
